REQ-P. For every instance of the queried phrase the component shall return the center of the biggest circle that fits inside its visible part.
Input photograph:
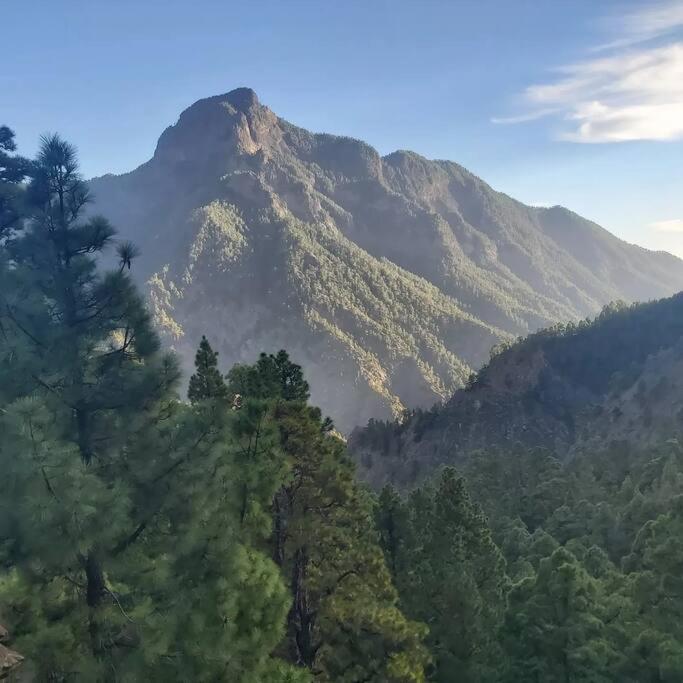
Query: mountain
(389, 278)
(614, 383)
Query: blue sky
(578, 102)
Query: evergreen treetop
(207, 381)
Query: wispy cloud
(653, 20)
(673, 225)
(523, 118)
(633, 93)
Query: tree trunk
(279, 526)
(95, 590)
(301, 619)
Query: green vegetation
(450, 574)
(207, 382)
(589, 542)
(120, 558)
(571, 575)
(375, 320)
(224, 539)
(571, 388)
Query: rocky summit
(389, 278)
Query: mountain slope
(572, 389)
(389, 277)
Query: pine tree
(288, 375)
(344, 623)
(450, 576)
(91, 374)
(555, 629)
(392, 519)
(207, 382)
(272, 376)
(13, 170)
(656, 588)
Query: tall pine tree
(449, 573)
(13, 171)
(555, 628)
(344, 623)
(207, 381)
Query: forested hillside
(544, 571)
(571, 388)
(226, 538)
(389, 278)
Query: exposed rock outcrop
(9, 659)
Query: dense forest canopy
(226, 537)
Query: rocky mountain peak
(244, 99)
(388, 278)
(218, 127)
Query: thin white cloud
(634, 93)
(653, 20)
(673, 225)
(523, 118)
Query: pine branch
(127, 542)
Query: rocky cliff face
(10, 660)
(389, 278)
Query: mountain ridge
(611, 383)
(388, 276)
